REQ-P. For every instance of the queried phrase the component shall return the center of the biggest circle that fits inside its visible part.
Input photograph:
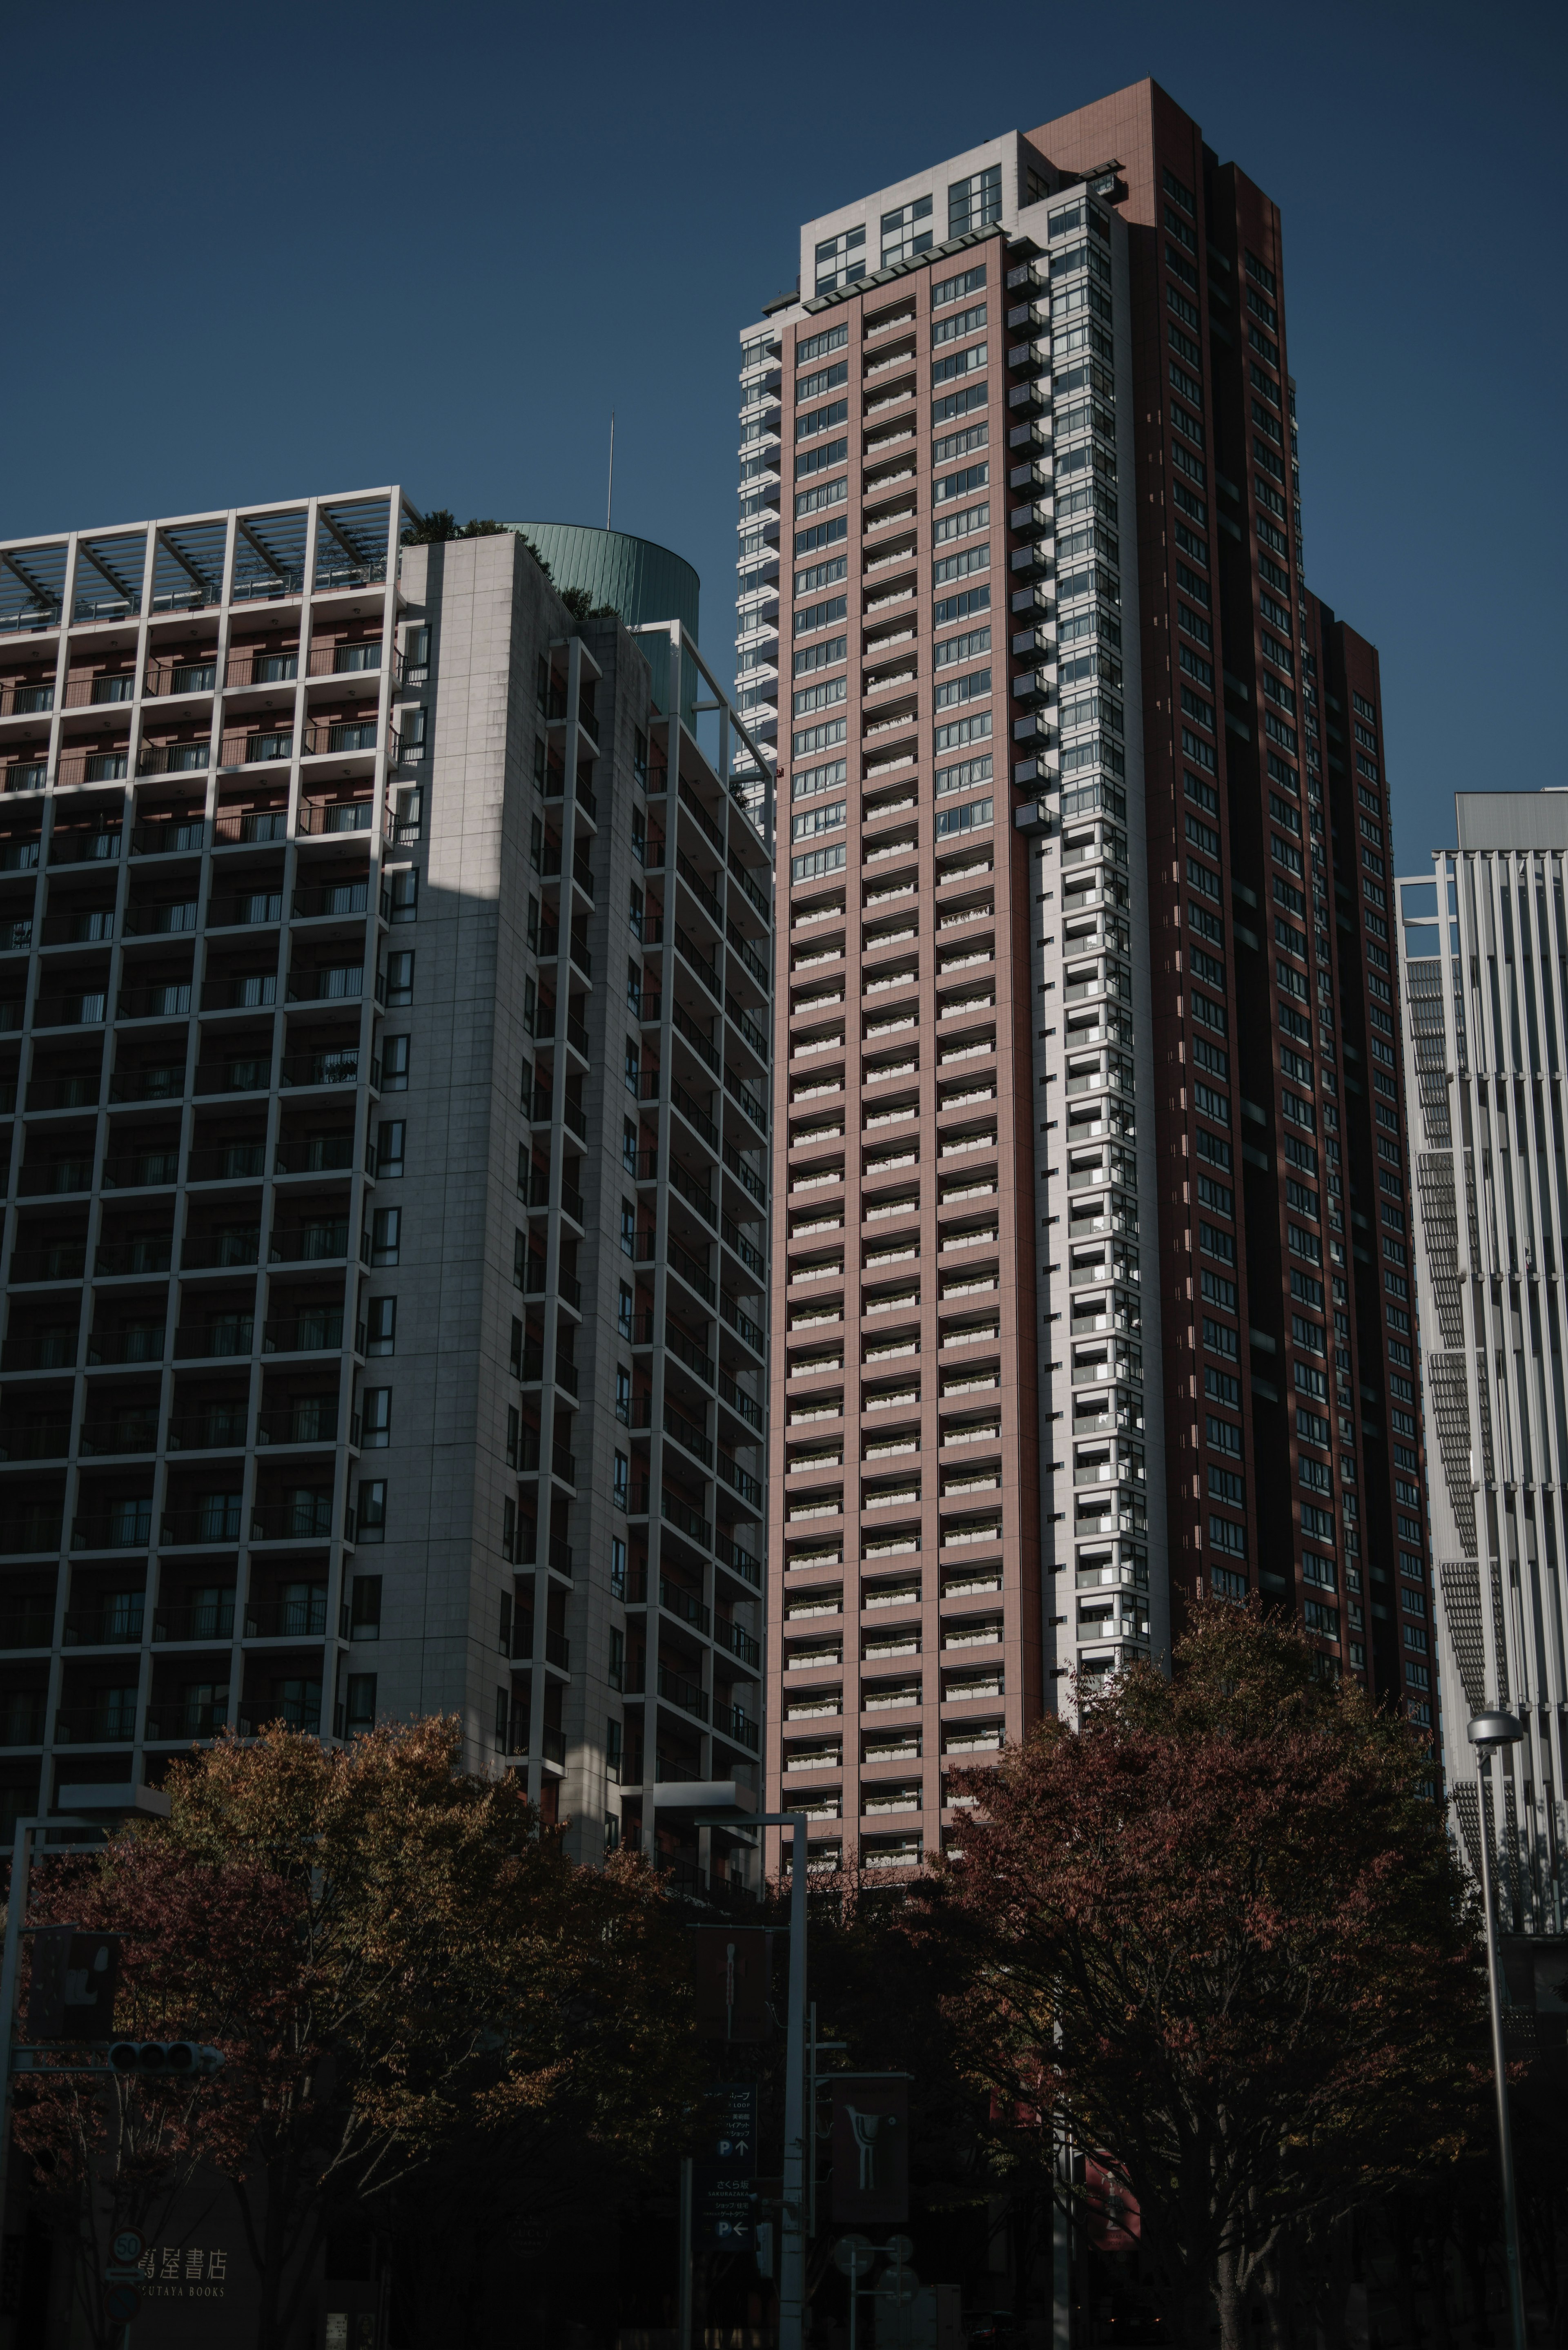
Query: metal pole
(811, 2124)
(792, 2232)
(793, 2217)
(683, 2318)
(1062, 2254)
(609, 503)
(16, 1911)
(1499, 2070)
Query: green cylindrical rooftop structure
(644, 582)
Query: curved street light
(1488, 1733)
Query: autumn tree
(122, 2150)
(427, 1972)
(1216, 1933)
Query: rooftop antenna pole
(609, 493)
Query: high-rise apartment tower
(1091, 1290)
(1485, 941)
(384, 1006)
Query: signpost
(871, 2146)
(122, 2276)
(723, 2172)
(792, 2216)
(854, 2256)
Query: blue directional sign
(723, 2215)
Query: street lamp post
(793, 2231)
(1488, 1733)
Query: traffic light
(165, 2060)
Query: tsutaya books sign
(184, 2273)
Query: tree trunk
(1231, 2303)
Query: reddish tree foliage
(1218, 1930)
(394, 1957)
(202, 1939)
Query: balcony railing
(164, 836)
(122, 1432)
(24, 1627)
(220, 1428)
(303, 1517)
(300, 1616)
(170, 1721)
(84, 843)
(30, 1530)
(336, 816)
(39, 1440)
(174, 758)
(343, 661)
(306, 1243)
(208, 1618)
(246, 825)
(145, 1256)
(180, 677)
(109, 1722)
(319, 1333)
(116, 1624)
(312, 1419)
(230, 1334)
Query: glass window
(400, 986)
(623, 1395)
(381, 1326)
(623, 1322)
(617, 1566)
(390, 1138)
(902, 233)
(376, 1418)
(385, 1233)
(395, 1053)
(841, 259)
(976, 202)
(365, 1608)
(405, 895)
(372, 1510)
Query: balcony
(227, 1335)
(324, 817)
(124, 1525)
(37, 1439)
(217, 1428)
(209, 1618)
(116, 1622)
(21, 1720)
(189, 676)
(175, 759)
(166, 835)
(316, 1333)
(303, 1516)
(207, 1251)
(253, 747)
(177, 1720)
(108, 1720)
(244, 827)
(131, 1431)
(84, 843)
(298, 1616)
(77, 767)
(227, 1162)
(314, 1154)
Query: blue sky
(343, 244)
